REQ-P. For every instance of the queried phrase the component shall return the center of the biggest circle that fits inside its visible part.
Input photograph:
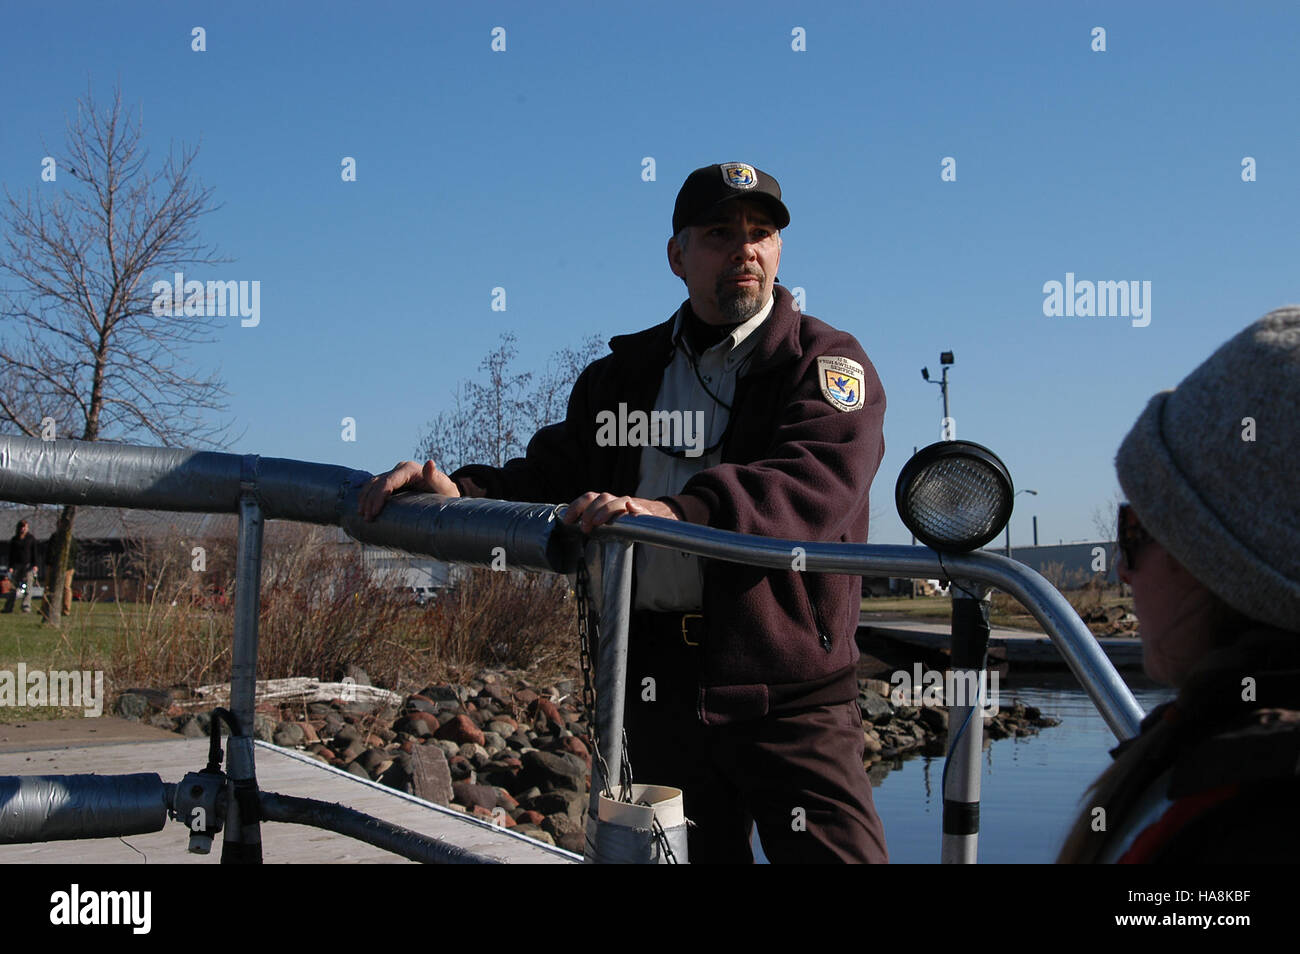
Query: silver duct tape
(116, 475)
(624, 845)
(120, 475)
(469, 530)
(57, 807)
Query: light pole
(948, 428)
(1017, 494)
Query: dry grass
(321, 613)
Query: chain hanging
(589, 634)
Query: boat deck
(109, 746)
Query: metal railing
(475, 531)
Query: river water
(1030, 787)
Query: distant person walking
(22, 565)
(52, 547)
(1210, 544)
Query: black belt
(688, 627)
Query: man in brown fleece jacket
(742, 684)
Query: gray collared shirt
(669, 580)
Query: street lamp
(948, 429)
(1013, 498)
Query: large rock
(375, 761)
(875, 708)
(351, 751)
(431, 775)
(550, 771)
(573, 804)
(131, 705)
(420, 725)
(574, 746)
(499, 694)
(462, 770)
(418, 703)
(347, 733)
(560, 825)
(159, 700)
(448, 747)
(289, 735)
(442, 693)
(192, 728)
(460, 729)
(548, 717)
(263, 727)
(471, 795)
(160, 720)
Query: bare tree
(1105, 517)
(492, 418)
(86, 349)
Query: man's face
(729, 263)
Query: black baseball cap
(707, 187)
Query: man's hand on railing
(594, 509)
(409, 475)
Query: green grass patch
(89, 634)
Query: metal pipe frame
(469, 530)
(961, 776)
(242, 840)
(1108, 692)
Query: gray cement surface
(124, 749)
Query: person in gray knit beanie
(1210, 470)
(1210, 543)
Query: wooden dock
(1021, 647)
(278, 770)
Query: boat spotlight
(955, 496)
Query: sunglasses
(1130, 536)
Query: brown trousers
(798, 774)
(50, 589)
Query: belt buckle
(685, 617)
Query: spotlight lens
(954, 495)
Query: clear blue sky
(522, 169)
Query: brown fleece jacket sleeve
(814, 480)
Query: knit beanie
(1212, 469)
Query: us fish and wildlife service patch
(739, 175)
(841, 381)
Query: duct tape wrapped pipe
(625, 833)
(59, 807)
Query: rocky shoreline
(510, 752)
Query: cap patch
(739, 175)
(841, 382)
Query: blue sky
(523, 169)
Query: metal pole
(961, 776)
(1035, 529)
(1008, 539)
(242, 843)
(611, 675)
